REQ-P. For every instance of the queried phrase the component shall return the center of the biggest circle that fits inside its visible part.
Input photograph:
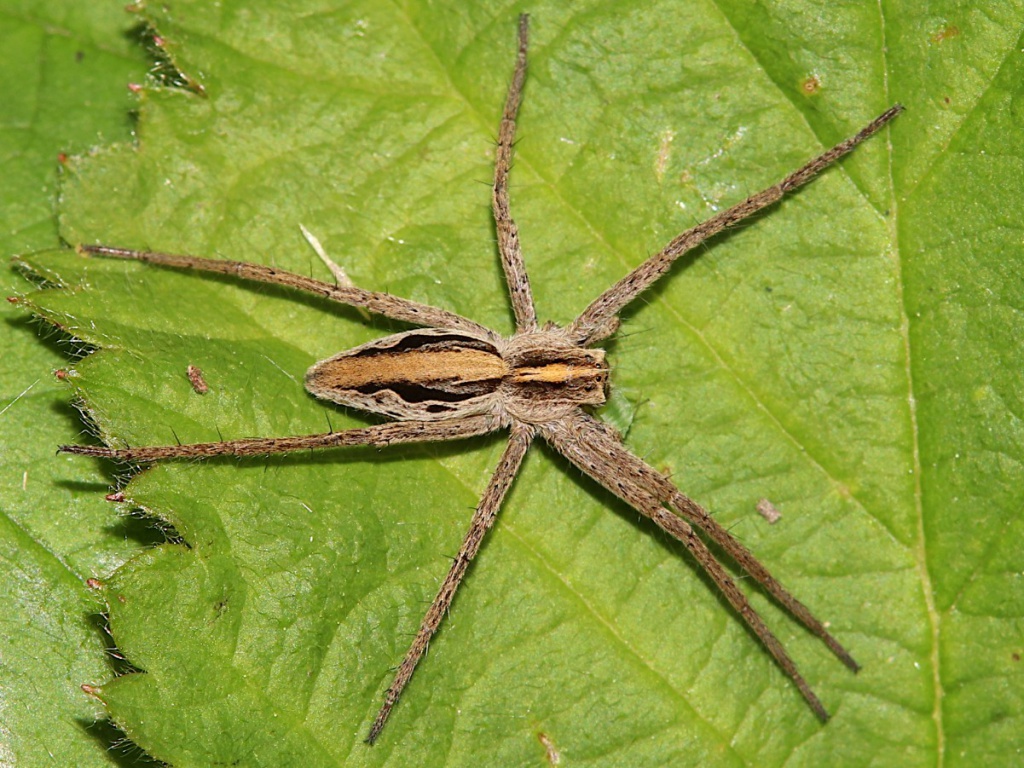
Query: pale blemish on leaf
(664, 152)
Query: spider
(453, 378)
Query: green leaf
(62, 80)
(852, 355)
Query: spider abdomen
(434, 373)
(426, 374)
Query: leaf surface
(849, 355)
(62, 83)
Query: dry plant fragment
(768, 511)
(195, 377)
(551, 752)
(454, 378)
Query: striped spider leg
(454, 378)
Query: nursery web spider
(455, 379)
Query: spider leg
(379, 303)
(379, 435)
(597, 320)
(508, 233)
(582, 446)
(667, 492)
(519, 442)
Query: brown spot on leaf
(810, 85)
(947, 32)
